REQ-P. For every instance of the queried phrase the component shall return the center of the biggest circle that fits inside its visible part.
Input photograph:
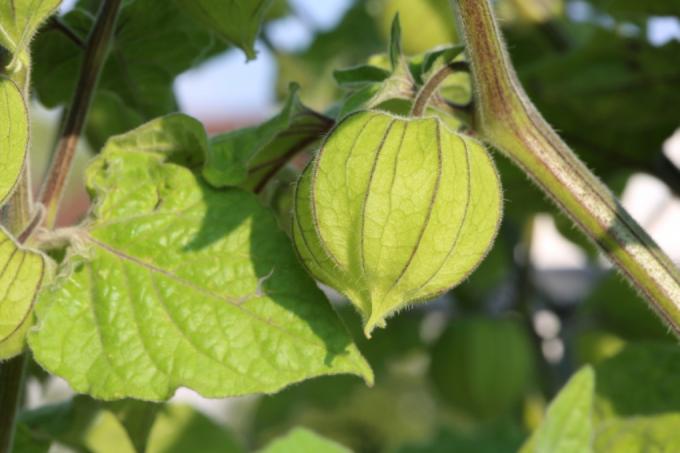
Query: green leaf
(137, 417)
(237, 21)
(70, 423)
(179, 137)
(568, 424)
(180, 429)
(620, 393)
(413, 210)
(109, 116)
(13, 136)
(301, 440)
(358, 76)
(19, 20)
(153, 43)
(84, 424)
(21, 273)
(246, 157)
(638, 400)
(639, 434)
(394, 48)
(25, 442)
(619, 308)
(178, 284)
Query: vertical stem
(96, 51)
(507, 119)
(11, 388)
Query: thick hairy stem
(507, 119)
(96, 51)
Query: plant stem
(507, 119)
(426, 92)
(96, 51)
(11, 388)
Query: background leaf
(84, 424)
(182, 285)
(237, 21)
(247, 157)
(302, 440)
(151, 46)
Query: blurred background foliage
(476, 369)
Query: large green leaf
(21, 273)
(178, 284)
(247, 157)
(237, 21)
(153, 43)
(568, 423)
(13, 136)
(19, 20)
(301, 440)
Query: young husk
(395, 211)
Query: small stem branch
(507, 119)
(11, 388)
(96, 52)
(426, 92)
(57, 24)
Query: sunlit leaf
(568, 425)
(247, 157)
(19, 20)
(178, 284)
(302, 440)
